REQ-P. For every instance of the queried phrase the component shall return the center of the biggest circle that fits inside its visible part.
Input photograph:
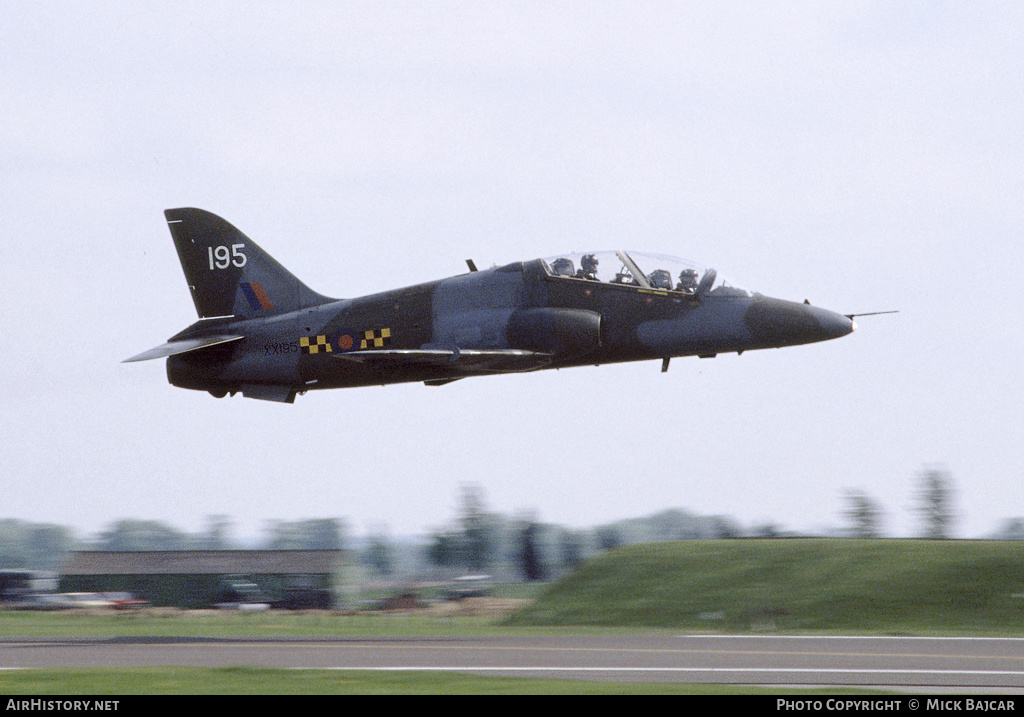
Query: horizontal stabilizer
(172, 348)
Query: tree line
(42, 546)
(477, 541)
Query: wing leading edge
(173, 348)
(468, 360)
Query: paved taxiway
(977, 663)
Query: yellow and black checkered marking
(310, 345)
(375, 338)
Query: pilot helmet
(589, 263)
(688, 279)
(562, 267)
(660, 279)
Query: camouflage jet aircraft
(263, 333)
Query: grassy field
(269, 624)
(258, 681)
(860, 586)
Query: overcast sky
(863, 155)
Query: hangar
(202, 578)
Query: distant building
(201, 578)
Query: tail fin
(228, 274)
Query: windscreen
(645, 270)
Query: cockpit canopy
(648, 271)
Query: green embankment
(873, 586)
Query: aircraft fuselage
(281, 339)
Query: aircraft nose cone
(833, 325)
(776, 322)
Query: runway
(967, 664)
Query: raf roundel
(345, 341)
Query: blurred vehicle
(468, 586)
(80, 600)
(18, 586)
(84, 600)
(43, 601)
(125, 601)
(238, 593)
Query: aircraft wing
(172, 348)
(467, 360)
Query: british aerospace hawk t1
(264, 334)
